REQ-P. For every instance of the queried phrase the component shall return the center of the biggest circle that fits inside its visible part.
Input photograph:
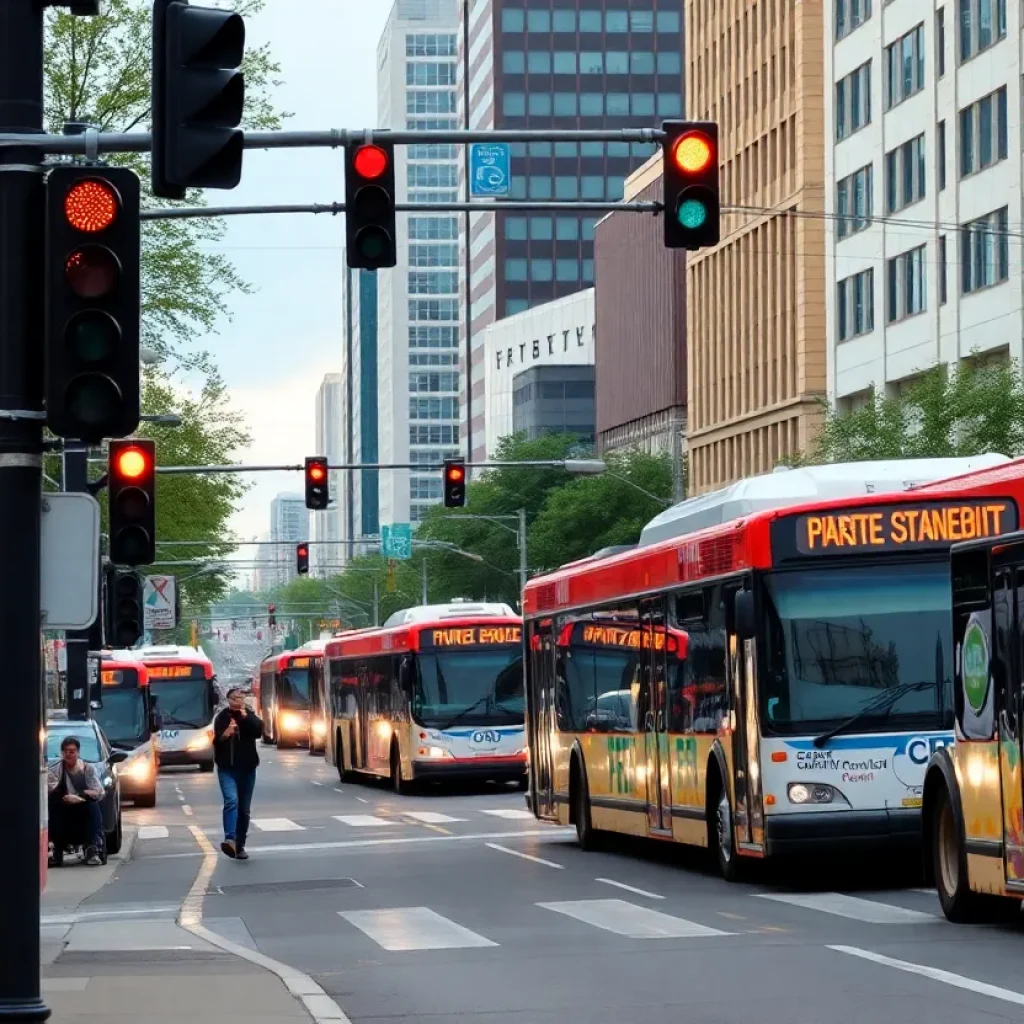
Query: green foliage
(973, 409)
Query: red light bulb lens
(90, 206)
(131, 464)
(370, 162)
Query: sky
(283, 338)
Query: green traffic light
(692, 214)
(94, 400)
(373, 243)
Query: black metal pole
(76, 476)
(21, 469)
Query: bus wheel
(146, 799)
(959, 903)
(206, 766)
(588, 837)
(720, 831)
(397, 784)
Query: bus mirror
(744, 609)
(117, 756)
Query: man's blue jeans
(236, 786)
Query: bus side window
(1005, 639)
(704, 671)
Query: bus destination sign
(176, 672)
(299, 662)
(603, 635)
(119, 677)
(906, 526)
(472, 636)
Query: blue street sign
(396, 540)
(490, 169)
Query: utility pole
(376, 603)
(21, 469)
(76, 477)
(424, 564)
(523, 569)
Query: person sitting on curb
(74, 804)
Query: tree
(98, 71)
(969, 410)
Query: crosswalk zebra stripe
(413, 928)
(362, 820)
(511, 813)
(154, 831)
(277, 825)
(841, 905)
(431, 817)
(631, 921)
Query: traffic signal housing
(318, 491)
(370, 205)
(131, 486)
(454, 483)
(124, 610)
(271, 614)
(692, 202)
(198, 93)
(302, 559)
(92, 302)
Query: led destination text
(475, 636)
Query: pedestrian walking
(236, 730)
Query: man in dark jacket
(235, 732)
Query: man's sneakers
(92, 858)
(229, 848)
(240, 854)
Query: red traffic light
(91, 205)
(693, 152)
(456, 474)
(317, 473)
(302, 551)
(131, 464)
(271, 608)
(370, 161)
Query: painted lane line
(315, 783)
(511, 814)
(525, 856)
(935, 974)
(362, 800)
(156, 910)
(276, 825)
(319, 1005)
(154, 832)
(851, 907)
(187, 810)
(338, 789)
(630, 921)
(362, 820)
(181, 797)
(431, 817)
(630, 888)
(408, 928)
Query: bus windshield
(839, 641)
(293, 688)
(471, 687)
(123, 717)
(182, 703)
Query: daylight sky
(286, 335)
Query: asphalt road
(460, 906)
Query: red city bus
(818, 666)
(436, 693)
(287, 681)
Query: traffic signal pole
(21, 468)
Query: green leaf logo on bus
(975, 666)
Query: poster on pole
(158, 602)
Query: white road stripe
(362, 799)
(525, 856)
(511, 813)
(406, 928)
(850, 906)
(338, 789)
(362, 820)
(154, 831)
(277, 825)
(630, 921)
(187, 810)
(946, 977)
(630, 888)
(431, 817)
(315, 783)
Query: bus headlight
(200, 742)
(139, 769)
(433, 752)
(290, 721)
(319, 729)
(811, 793)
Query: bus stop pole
(76, 467)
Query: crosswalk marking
(361, 820)
(431, 817)
(631, 921)
(154, 831)
(408, 928)
(852, 907)
(277, 825)
(511, 813)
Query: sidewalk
(99, 965)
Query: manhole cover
(300, 885)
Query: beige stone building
(756, 302)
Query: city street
(441, 906)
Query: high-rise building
(289, 524)
(418, 358)
(922, 119)
(358, 489)
(556, 64)
(326, 556)
(756, 302)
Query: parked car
(96, 750)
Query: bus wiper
(883, 703)
(462, 714)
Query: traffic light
(198, 92)
(454, 483)
(692, 204)
(302, 559)
(318, 492)
(370, 205)
(124, 612)
(131, 486)
(271, 614)
(92, 302)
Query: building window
(567, 229)
(670, 62)
(591, 63)
(853, 101)
(430, 46)
(431, 175)
(940, 153)
(855, 305)
(942, 270)
(565, 104)
(940, 42)
(617, 104)
(567, 270)
(982, 24)
(851, 14)
(854, 202)
(513, 306)
(433, 337)
(904, 67)
(431, 228)
(565, 62)
(513, 104)
(515, 270)
(538, 21)
(541, 229)
(591, 104)
(564, 21)
(513, 20)
(434, 434)
(433, 408)
(433, 255)
(592, 187)
(540, 104)
(540, 187)
(668, 21)
(541, 270)
(567, 187)
(513, 62)
(433, 309)
(427, 282)
(588, 271)
(905, 285)
(417, 102)
(590, 21)
(538, 62)
(616, 62)
(433, 383)
(432, 73)
(515, 229)
(983, 135)
(670, 104)
(641, 21)
(616, 22)
(905, 175)
(984, 252)
(641, 62)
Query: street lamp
(163, 419)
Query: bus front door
(653, 684)
(541, 718)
